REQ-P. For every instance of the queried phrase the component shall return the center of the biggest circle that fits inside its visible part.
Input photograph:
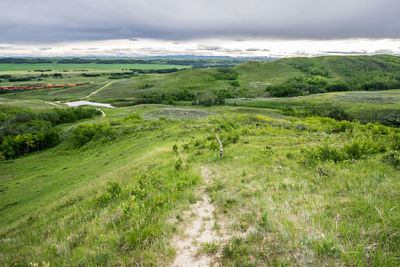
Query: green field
(145, 185)
(73, 67)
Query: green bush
(356, 149)
(87, 132)
(113, 189)
(392, 158)
(225, 74)
(15, 146)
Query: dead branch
(221, 147)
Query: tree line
(24, 131)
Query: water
(82, 102)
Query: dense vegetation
(24, 131)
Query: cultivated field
(8, 68)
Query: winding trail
(103, 114)
(54, 104)
(98, 90)
(200, 229)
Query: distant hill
(280, 78)
(334, 73)
(211, 81)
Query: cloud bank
(206, 47)
(76, 20)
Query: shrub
(14, 146)
(225, 74)
(235, 83)
(178, 164)
(392, 158)
(356, 149)
(113, 189)
(133, 118)
(85, 133)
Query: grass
(280, 210)
(75, 67)
(365, 106)
(55, 94)
(290, 190)
(292, 214)
(60, 181)
(72, 73)
(252, 80)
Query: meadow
(305, 180)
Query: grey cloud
(257, 49)
(345, 52)
(218, 49)
(384, 51)
(56, 20)
(210, 48)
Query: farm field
(308, 180)
(12, 68)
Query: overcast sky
(32, 26)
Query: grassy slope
(278, 210)
(364, 106)
(53, 94)
(253, 77)
(53, 178)
(200, 82)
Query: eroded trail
(98, 90)
(200, 232)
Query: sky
(245, 28)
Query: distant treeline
(25, 60)
(11, 78)
(23, 131)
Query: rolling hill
(284, 77)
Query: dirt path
(103, 114)
(98, 90)
(54, 104)
(199, 230)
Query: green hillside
(204, 165)
(123, 196)
(285, 77)
(207, 86)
